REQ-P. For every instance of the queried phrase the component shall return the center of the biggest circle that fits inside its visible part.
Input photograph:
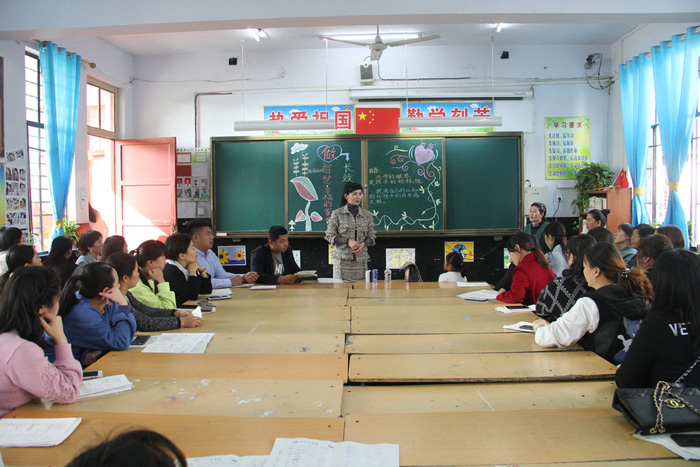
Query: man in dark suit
(274, 261)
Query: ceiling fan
(377, 47)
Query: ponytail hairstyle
(527, 242)
(150, 250)
(59, 246)
(576, 246)
(675, 277)
(17, 256)
(177, 244)
(454, 259)
(123, 263)
(673, 233)
(113, 244)
(94, 279)
(25, 293)
(558, 232)
(87, 240)
(9, 236)
(347, 189)
(607, 258)
(600, 216)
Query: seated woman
(148, 319)
(456, 271)
(623, 238)
(649, 249)
(531, 274)
(562, 292)
(28, 308)
(60, 258)
(673, 233)
(605, 319)
(96, 314)
(668, 341)
(152, 289)
(187, 278)
(555, 238)
(8, 236)
(596, 218)
(537, 224)
(640, 231)
(90, 247)
(113, 244)
(19, 256)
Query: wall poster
(567, 143)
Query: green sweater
(163, 298)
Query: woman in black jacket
(187, 278)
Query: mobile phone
(92, 374)
(686, 440)
(526, 327)
(517, 307)
(140, 341)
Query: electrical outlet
(558, 197)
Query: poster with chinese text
(567, 143)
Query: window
(41, 210)
(656, 189)
(101, 108)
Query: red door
(144, 188)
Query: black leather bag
(668, 408)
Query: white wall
(166, 85)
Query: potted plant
(70, 229)
(590, 178)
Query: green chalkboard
(405, 184)
(316, 173)
(483, 183)
(248, 185)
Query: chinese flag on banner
(377, 120)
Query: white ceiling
(307, 37)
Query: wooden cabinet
(619, 202)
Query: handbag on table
(667, 408)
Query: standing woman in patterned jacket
(350, 231)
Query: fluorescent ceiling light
(271, 125)
(499, 27)
(258, 34)
(452, 122)
(371, 37)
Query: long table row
(351, 362)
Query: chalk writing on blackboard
(412, 178)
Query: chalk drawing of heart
(424, 154)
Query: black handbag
(669, 407)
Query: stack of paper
(103, 386)
(263, 287)
(35, 432)
(329, 280)
(227, 460)
(479, 295)
(302, 451)
(306, 273)
(473, 284)
(179, 343)
(219, 294)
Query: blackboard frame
(364, 138)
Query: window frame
(95, 131)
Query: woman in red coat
(531, 274)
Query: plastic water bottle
(387, 275)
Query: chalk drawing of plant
(307, 191)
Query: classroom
(183, 76)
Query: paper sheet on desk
(312, 452)
(227, 460)
(518, 309)
(35, 432)
(263, 287)
(104, 386)
(472, 284)
(226, 292)
(329, 280)
(179, 343)
(522, 326)
(479, 295)
(687, 453)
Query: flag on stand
(621, 179)
(377, 120)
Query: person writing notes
(203, 239)
(28, 308)
(605, 319)
(531, 274)
(350, 231)
(274, 261)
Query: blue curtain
(636, 85)
(60, 74)
(675, 65)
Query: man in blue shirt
(203, 239)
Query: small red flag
(377, 120)
(621, 180)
